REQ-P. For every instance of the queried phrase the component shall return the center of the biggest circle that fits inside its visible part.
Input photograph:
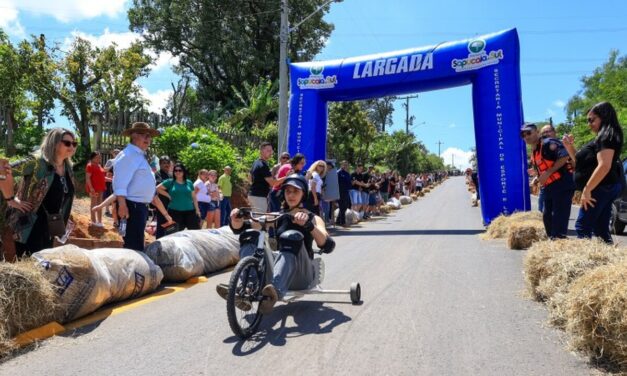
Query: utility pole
(453, 157)
(439, 144)
(283, 114)
(408, 119)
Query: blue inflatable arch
(490, 63)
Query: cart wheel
(355, 293)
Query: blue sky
(560, 42)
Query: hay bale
(596, 313)
(27, 300)
(499, 227)
(420, 194)
(385, 209)
(426, 190)
(524, 233)
(414, 196)
(352, 218)
(405, 200)
(394, 203)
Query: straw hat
(140, 127)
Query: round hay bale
(499, 227)
(426, 190)
(420, 194)
(524, 233)
(596, 313)
(385, 209)
(414, 196)
(406, 200)
(27, 300)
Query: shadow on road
(411, 232)
(309, 317)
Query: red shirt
(283, 170)
(97, 176)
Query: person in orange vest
(549, 158)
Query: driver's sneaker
(266, 305)
(223, 290)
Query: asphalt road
(437, 300)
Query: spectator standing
(202, 195)
(384, 186)
(262, 179)
(226, 187)
(314, 177)
(345, 184)
(110, 209)
(134, 183)
(45, 192)
(95, 186)
(164, 173)
(283, 159)
(183, 205)
(549, 158)
(213, 216)
(598, 172)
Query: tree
(13, 86)
(607, 83)
(40, 73)
(259, 103)
(225, 44)
(350, 133)
(380, 111)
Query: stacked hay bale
(596, 314)
(523, 234)
(27, 300)
(551, 267)
(499, 227)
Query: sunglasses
(178, 170)
(285, 157)
(526, 133)
(591, 120)
(69, 143)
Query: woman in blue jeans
(598, 172)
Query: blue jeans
(225, 211)
(275, 201)
(135, 225)
(541, 199)
(556, 212)
(597, 219)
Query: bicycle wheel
(242, 303)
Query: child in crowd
(213, 215)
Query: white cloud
(559, 103)
(458, 156)
(9, 21)
(71, 10)
(157, 100)
(122, 40)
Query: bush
(173, 140)
(212, 156)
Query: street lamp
(283, 88)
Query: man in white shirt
(134, 184)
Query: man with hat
(134, 183)
(549, 158)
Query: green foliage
(27, 138)
(226, 44)
(350, 133)
(212, 156)
(607, 83)
(172, 141)
(268, 133)
(259, 103)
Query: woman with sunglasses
(42, 204)
(598, 172)
(183, 206)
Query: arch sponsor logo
(477, 58)
(317, 80)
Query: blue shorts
(355, 197)
(372, 199)
(214, 205)
(364, 198)
(204, 208)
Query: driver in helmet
(293, 268)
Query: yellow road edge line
(54, 328)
